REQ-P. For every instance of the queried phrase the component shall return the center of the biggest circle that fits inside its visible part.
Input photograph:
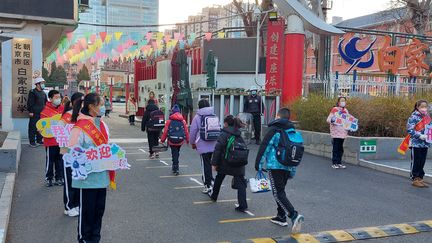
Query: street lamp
(111, 84)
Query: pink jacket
(335, 130)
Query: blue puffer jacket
(267, 151)
(415, 140)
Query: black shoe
(59, 182)
(49, 183)
(33, 145)
(40, 143)
(279, 221)
(176, 172)
(241, 210)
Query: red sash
(67, 118)
(403, 147)
(49, 112)
(98, 137)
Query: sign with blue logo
(353, 56)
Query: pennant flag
(159, 36)
(118, 35)
(93, 39)
(87, 35)
(177, 36)
(69, 36)
(182, 44)
(149, 36)
(83, 43)
(135, 36)
(108, 38)
(167, 38)
(221, 35)
(103, 36)
(208, 36)
(192, 36)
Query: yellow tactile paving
(304, 238)
(407, 229)
(341, 235)
(374, 232)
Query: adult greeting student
(90, 131)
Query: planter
(10, 152)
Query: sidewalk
(7, 183)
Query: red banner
(275, 39)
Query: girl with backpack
(416, 124)
(152, 114)
(338, 133)
(230, 158)
(176, 131)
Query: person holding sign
(416, 127)
(53, 157)
(90, 132)
(70, 194)
(338, 133)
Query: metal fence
(366, 86)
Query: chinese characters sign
(62, 134)
(106, 157)
(44, 125)
(21, 76)
(347, 121)
(275, 39)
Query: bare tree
(416, 16)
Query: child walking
(419, 147)
(176, 131)
(222, 164)
(338, 133)
(278, 173)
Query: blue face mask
(253, 92)
(42, 86)
(102, 111)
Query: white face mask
(56, 102)
(342, 104)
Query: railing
(345, 85)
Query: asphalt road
(151, 206)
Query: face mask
(342, 104)
(42, 86)
(56, 102)
(102, 111)
(253, 92)
(423, 111)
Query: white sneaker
(335, 166)
(207, 190)
(72, 212)
(341, 166)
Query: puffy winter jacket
(415, 140)
(219, 152)
(175, 117)
(146, 118)
(202, 146)
(267, 151)
(337, 131)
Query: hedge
(378, 116)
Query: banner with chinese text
(275, 39)
(21, 76)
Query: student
(132, 109)
(147, 125)
(204, 147)
(176, 131)
(223, 167)
(278, 173)
(338, 133)
(70, 194)
(108, 107)
(53, 157)
(88, 126)
(418, 145)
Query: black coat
(36, 101)
(219, 154)
(149, 109)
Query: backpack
(289, 151)
(157, 121)
(210, 129)
(236, 152)
(176, 132)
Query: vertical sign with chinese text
(21, 76)
(275, 39)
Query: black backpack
(289, 151)
(236, 152)
(157, 121)
(176, 132)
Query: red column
(293, 61)
(111, 93)
(199, 71)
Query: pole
(111, 90)
(97, 85)
(127, 91)
(86, 84)
(257, 48)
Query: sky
(175, 11)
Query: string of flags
(119, 45)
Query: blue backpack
(290, 149)
(176, 132)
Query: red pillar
(111, 93)
(293, 60)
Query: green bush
(378, 116)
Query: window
(339, 60)
(313, 62)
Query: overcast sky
(174, 11)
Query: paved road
(151, 206)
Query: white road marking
(151, 159)
(195, 180)
(186, 187)
(218, 201)
(163, 162)
(142, 150)
(128, 140)
(177, 176)
(164, 166)
(246, 211)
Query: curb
(390, 169)
(6, 204)
(366, 233)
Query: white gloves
(423, 137)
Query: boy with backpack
(230, 158)
(153, 122)
(205, 130)
(282, 150)
(176, 131)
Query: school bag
(289, 151)
(236, 152)
(157, 121)
(176, 132)
(210, 129)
